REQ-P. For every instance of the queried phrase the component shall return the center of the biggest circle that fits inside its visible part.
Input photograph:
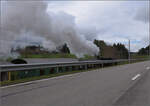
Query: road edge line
(36, 81)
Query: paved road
(138, 95)
(94, 88)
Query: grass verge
(58, 55)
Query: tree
(101, 45)
(143, 51)
(64, 49)
(111, 51)
(122, 51)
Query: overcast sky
(112, 21)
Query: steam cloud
(25, 22)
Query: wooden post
(9, 76)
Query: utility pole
(129, 56)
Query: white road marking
(135, 77)
(148, 68)
(36, 81)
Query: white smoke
(29, 21)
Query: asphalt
(101, 87)
(138, 95)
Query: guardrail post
(81, 67)
(76, 68)
(57, 69)
(100, 65)
(86, 67)
(9, 76)
(92, 65)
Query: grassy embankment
(52, 55)
(87, 57)
(58, 55)
(140, 56)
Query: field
(58, 55)
(140, 56)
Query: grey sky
(112, 21)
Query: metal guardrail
(20, 67)
(19, 71)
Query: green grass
(87, 57)
(135, 61)
(1, 59)
(59, 55)
(140, 56)
(9, 59)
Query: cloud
(143, 13)
(113, 21)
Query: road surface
(102, 87)
(138, 95)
